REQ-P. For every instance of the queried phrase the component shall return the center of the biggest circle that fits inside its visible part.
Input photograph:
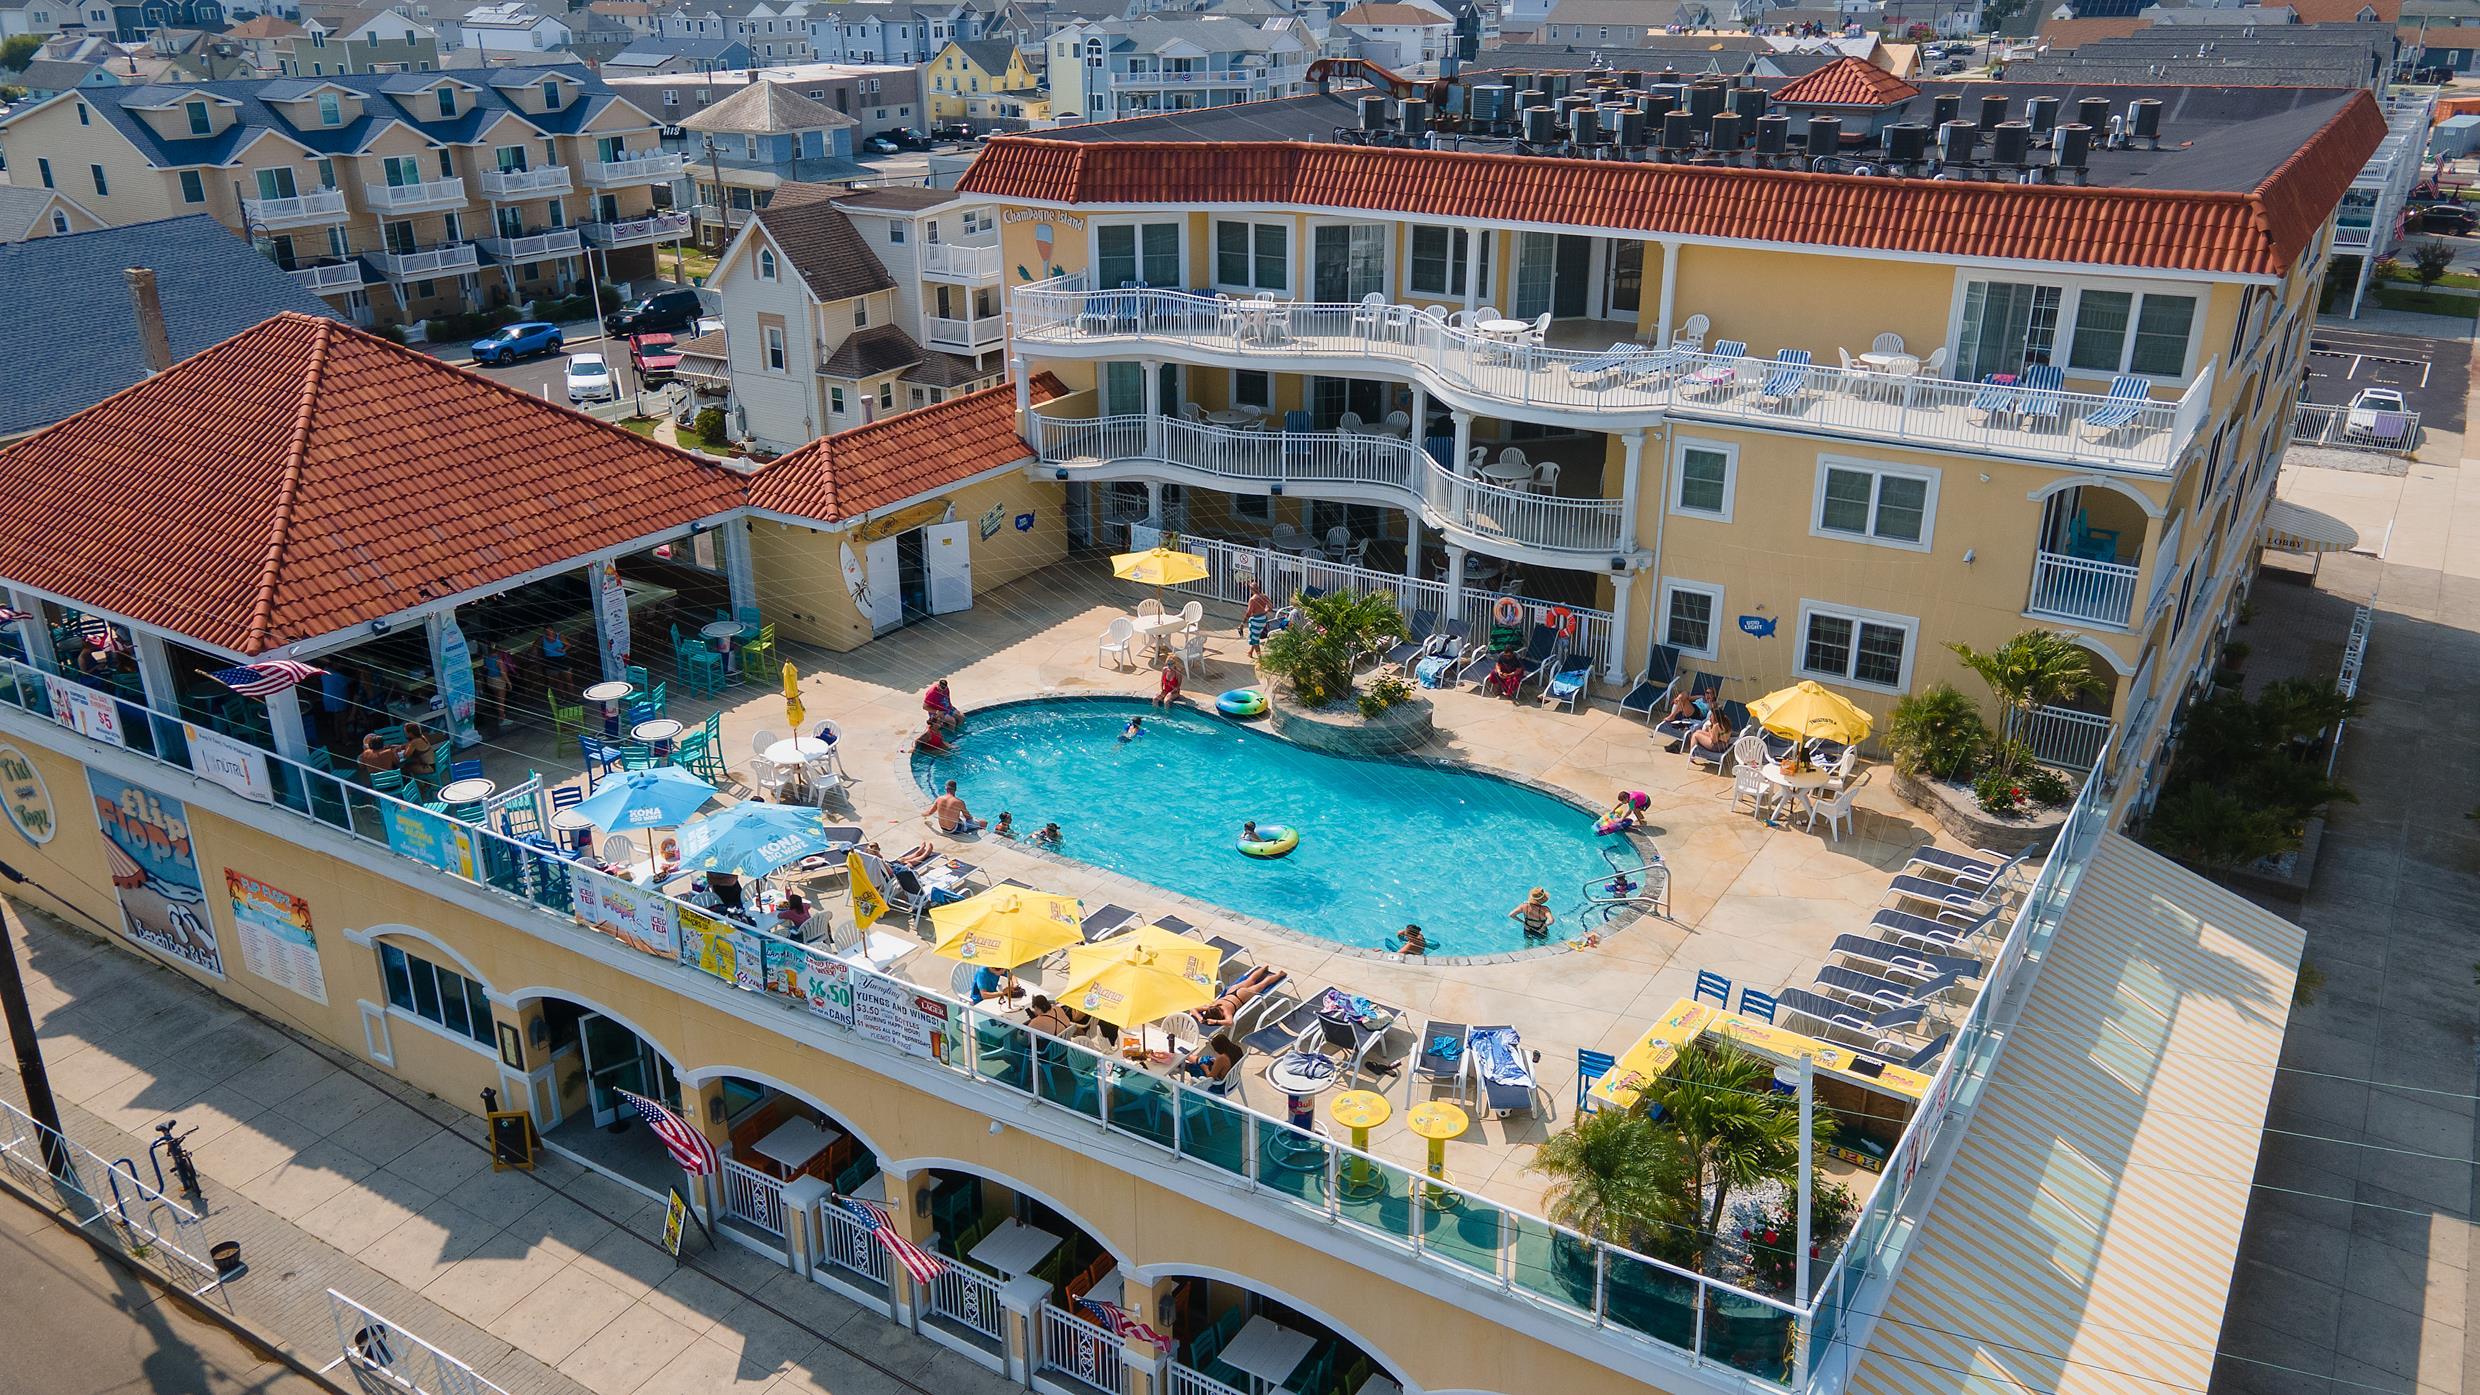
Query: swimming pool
(1382, 843)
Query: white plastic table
(1157, 630)
(796, 750)
(610, 693)
(657, 733)
(1236, 416)
(721, 634)
(1510, 474)
(1799, 786)
(1013, 1247)
(473, 789)
(1267, 1351)
(795, 1142)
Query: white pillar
(1153, 504)
(1153, 387)
(1455, 584)
(1024, 390)
(1670, 282)
(1412, 544)
(1808, 1113)
(35, 629)
(1622, 589)
(284, 724)
(1463, 441)
(1633, 446)
(739, 571)
(1420, 415)
(163, 686)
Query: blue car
(509, 343)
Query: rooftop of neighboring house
(897, 198)
(766, 108)
(23, 208)
(2290, 55)
(809, 225)
(352, 19)
(1641, 14)
(990, 55)
(1207, 33)
(264, 27)
(55, 75)
(651, 52)
(388, 100)
(1393, 15)
(2240, 181)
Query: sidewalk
(549, 1283)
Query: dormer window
(199, 122)
(551, 94)
(766, 265)
(331, 110)
(447, 101)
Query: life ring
(1507, 610)
(1273, 840)
(1560, 619)
(1241, 702)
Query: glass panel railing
(1003, 1052)
(1748, 1334)
(1213, 1132)
(1464, 1228)
(1375, 1196)
(1068, 1076)
(1141, 1104)
(1293, 1161)
(1649, 1299)
(1549, 1262)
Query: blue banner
(427, 837)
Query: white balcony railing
(634, 169)
(953, 261)
(317, 206)
(1205, 77)
(972, 336)
(654, 227)
(532, 247)
(1344, 465)
(2072, 588)
(525, 184)
(427, 262)
(414, 198)
(331, 277)
(1460, 364)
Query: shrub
(1383, 692)
(608, 295)
(2207, 826)
(2034, 669)
(2046, 787)
(2000, 792)
(1937, 733)
(1831, 1209)
(394, 334)
(1316, 655)
(2430, 261)
(709, 427)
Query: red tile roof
(2069, 33)
(2260, 232)
(846, 475)
(1846, 82)
(304, 477)
(2344, 11)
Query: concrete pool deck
(1755, 904)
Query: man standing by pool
(948, 812)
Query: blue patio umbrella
(751, 840)
(659, 798)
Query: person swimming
(1134, 729)
(1535, 914)
(1049, 835)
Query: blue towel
(1499, 1054)
(1447, 1048)
(1568, 682)
(1432, 673)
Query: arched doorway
(994, 1232)
(1235, 1338)
(773, 1137)
(592, 1058)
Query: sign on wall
(629, 913)
(892, 1011)
(235, 765)
(25, 796)
(707, 944)
(274, 929)
(456, 680)
(155, 871)
(827, 983)
(83, 710)
(427, 837)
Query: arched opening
(996, 1232)
(775, 1136)
(593, 1058)
(1234, 1338)
(2070, 734)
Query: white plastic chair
(1120, 641)
(1150, 606)
(1369, 314)
(1691, 333)
(1190, 411)
(618, 850)
(1350, 421)
(1935, 364)
(1398, 423)
(1193, 614)
(1748, 782)
(1511, 456)
(1546, 477)
(1844, 765)
(1286, 538)
(1887, 343)
(766, 775)
(1192, 651)
(1475, 458)
(1338, 538)
(1835, 809)
(1749, 750)
(833, 735)
(764, 739)
(1540, 332)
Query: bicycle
(184, 1168)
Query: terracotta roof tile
(304, 477)
(1846, 82)
(846, 475)
(2259, 232)
(2069, 33)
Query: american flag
(1123, 1323)
(267, 677)
(918, 1262)
(687, 1146)
(9, 616)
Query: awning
(2293, 527)
(2084, 1239)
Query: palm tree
(2034, 669)
(1732, 1129)
(1610, 1176)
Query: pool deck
(1755, 904)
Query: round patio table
(610, 693)
(575, 826)
(1302, 1076)
(1360, 1111)
(473, 789)
(1438, 1121)
(657, 733)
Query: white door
(884, 605)
(947, 548)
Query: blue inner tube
(1241, 702)
(1273, 840)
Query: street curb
(232, 1324)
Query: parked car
(2377, 414)
(2455, 218)
(665, 311)
(881, 145)
(654, 356)
(524, 339)
(589, 380)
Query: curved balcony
(1600, 389)
(1339, 465)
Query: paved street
(76, 1323)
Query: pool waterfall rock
(1340, 729)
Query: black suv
(2455, 218)
(664, 312)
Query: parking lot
(2433, 375)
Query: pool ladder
(1646, 887)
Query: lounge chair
(1443, 1057)
(1570, 679)
(1943, 931)
(1878, 992)
(1356, 1044)
(2044, 394)
(1402, 654)
(1994, 400)
(1503, 1067)
(1652, 688)
(1903, 959)
(1611, 363)
(1281, 1030)
(1987, 869)
(1787, 382)
(1971, 900)
(1927, 1056)
(2128, 397)
(1721, 372)
(1868, 1030)
(1107, 920)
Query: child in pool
(1006, 826)
(1134, 729)
(1049, 836)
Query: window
(331, 110)
(895, 234)
(1692, 617)
(1139, 252)
(1252, 256)
(83, 118)
(43, 167)
(60, 221)
(1856, 646)
(2102, 342)
(1251, 388)
(2005, 326)
(200, 123)
(446, 97)
(1876, 503)
(861, 314)
(920, 398)
(775, 348)
(102, 189)
(1708, 475)
(193, 189)
(835, 400)
(1440, 257)
(766, 265)
(441, 997)
(551, 94)
(886, 394)
(447, 165)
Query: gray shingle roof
(822, 244)
(212, 284)
(866, 353)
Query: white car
(2377, 414)
(589, 379)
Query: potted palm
(1611, 1177)
(2037, 668)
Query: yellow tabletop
(1438, 1121)
(1642, 1064)
(1360, 1110)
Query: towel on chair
(1499, 1054)
(1432, 672)
(1566, 684)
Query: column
(1670, 282)
(1024, 390)
(803, 1243)
(1412, 544)
(738, 570)
(1455, 583)
(163, 686)
(1463, 441)
(284, 724)
(1420, 415)
(1153, 388)
(1153, 504)
(35, 629)
(1147, 1371)
(1622, 586)
(1633, 447)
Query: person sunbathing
(1223, 1010)
(1714, 737)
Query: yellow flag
(867, 904)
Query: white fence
(2062, 736)
(970, 1299)
(1184, 1381)
(2323, 424)
(1088, 1351)
(753, 1197)
(847, 1244)
(2074, 588)
(374, 1346)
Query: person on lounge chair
(1507, 675)
(1224, 1009)
(1714, 737)
(1216, 1060)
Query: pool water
(1382, 842)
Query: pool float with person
(1624, 812)
(1241, 702)
(1274, 840)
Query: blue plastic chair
(1713, 985)
(1757, 1005)
(464, 770)
(1590, 1067)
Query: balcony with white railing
(960, 261)
(423, 263)
(525, 184)
(647, 167)
(327, 278)
(1341, 465)
(532, 247)
(1599, 389)
(1202, 77)
(2082, 590)
(968, 336)
(297, 211)
(635, 232)
(415, 198)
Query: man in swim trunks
(950, 814)
(1260, 611)
(1222, 1010)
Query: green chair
(636, 755)
(388, 782)
(565, 721)
(697, 666)
(638, 677)
(388, 735)
(650, 703)
(760, 650)
(689, 752)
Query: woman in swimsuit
(1224, 1009)
(1535, 914)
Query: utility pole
(723, 196)
(30, 1072)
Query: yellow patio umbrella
(1806, 710)
(1159, 567)
(1006, 926)
(1149, 972)
(793, 710)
